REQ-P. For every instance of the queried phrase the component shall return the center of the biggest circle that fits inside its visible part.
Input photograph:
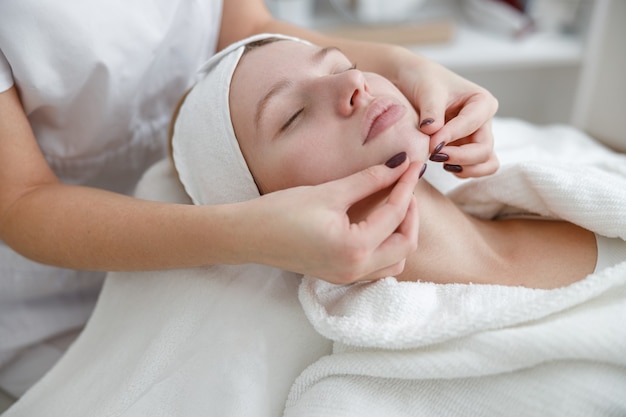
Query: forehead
(262, 67)
(283, 52)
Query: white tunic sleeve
(6, 76)
(98, 82)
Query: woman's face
(303, 116)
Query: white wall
(600, 106)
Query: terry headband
(205, 150)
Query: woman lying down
(294, 114)
(279, 112)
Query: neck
(453, 246)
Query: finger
(435, 145)
(477, 110)
(392, 253)
(475, 154)
(479, 170)
(380, 226)
(356, 187)
(409, 227)
(431, 103)
(382, 223)
(390, 271)
(468, 154)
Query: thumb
(362, 184)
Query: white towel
(408, 349)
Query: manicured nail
(426, 122)
(439, 147)
(439, 157)
(396, 160)
(422, 171)
(453, 168)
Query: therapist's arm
(303, 230)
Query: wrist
(245, 233)
(230, 233)
(400, 63)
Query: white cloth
(406, 349)
(99, 81)
(610, 252)
(215, 341)
(205, 149)
(193, 343)
(230, 313)
(6, 75)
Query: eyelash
(296, 114)
(291, 120)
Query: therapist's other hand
(455, 112)
(307, 229)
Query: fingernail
(453, 168)
(439, 147)
(396, 160)
(426, 122)
(422, 171)
(439, 157)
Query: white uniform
(99, 80)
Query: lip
(381, 114)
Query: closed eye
(343, 69)
(291, 120)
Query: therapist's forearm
(369, 56)
(242, 18)
(84, 228)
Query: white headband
(205, 150)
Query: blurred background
(547, 61)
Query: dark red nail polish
(453, 168)
(422, 171)
(439, 147)
(439, 157)
(396, 160)
(426, 122)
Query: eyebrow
(285, 83)
(321, 54)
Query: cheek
(303, 165)
(310, 163)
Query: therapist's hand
(454, 112)
(307, 229)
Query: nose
(350, 91)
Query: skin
(294, 117)
(107, 231)
(314, 128)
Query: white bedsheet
(216, 341)
(231, 341)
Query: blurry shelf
(422, 33)
(534, 77)
(474, 49)
(442, 35)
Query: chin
(416, 149)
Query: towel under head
(205, 150)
